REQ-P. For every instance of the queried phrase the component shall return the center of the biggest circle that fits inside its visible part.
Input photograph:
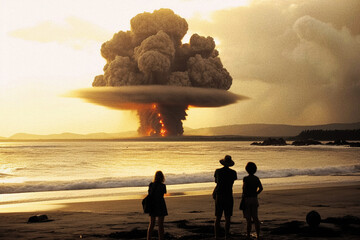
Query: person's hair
(159, 177)
(251, 168)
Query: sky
(297, 61)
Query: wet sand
(282, 213)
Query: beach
(282, 213)
(101, 102)
(93, 190)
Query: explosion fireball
(151, 71)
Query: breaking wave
(171, 179)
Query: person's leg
(228, 211)
(257, 226)
(254, 215)
(150, 228)
(217, 226)
(227, 226)
(248, 228)
(161, 227)
(219, 209)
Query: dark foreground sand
(282, 213)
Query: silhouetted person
(251, 188)
(158, 209)
(224, 201)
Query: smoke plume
(299, 60)
(152, 54)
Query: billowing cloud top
(152, 53)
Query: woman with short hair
(252, 187)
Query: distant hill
(249, 130)
(267, 130)
(329, 135)
(63, 136)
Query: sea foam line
(171, 179)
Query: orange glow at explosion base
(163, 132)
(151, 131)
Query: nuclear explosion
(150, 70)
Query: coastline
(33, 201)
(191, 216)
(184, 138)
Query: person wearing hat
(223, 194)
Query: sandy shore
(282, 213)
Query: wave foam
(171, 179)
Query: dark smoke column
(162, 120)
(152, 54)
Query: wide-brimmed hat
(227, 161)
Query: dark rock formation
(271, 142)
(338, 143)
(313, 219)
(305, 142)
(38, 218)
(354, 144)
(343, 143)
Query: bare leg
(161, 227)
(248, 220)
(227, 226)
(150, 228)
(257, 226)
(217, 226)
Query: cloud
(306, 53)
(132, 97)
(75, 32)
(152, 53)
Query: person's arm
(149, 190)
(215, 176)
(243, 187)
(260, 188)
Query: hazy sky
(298, 61)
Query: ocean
(42, 171)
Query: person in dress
(158, 209)
(223, 195)
(252, 187)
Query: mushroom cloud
(148, 69)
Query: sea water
(38, 171)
